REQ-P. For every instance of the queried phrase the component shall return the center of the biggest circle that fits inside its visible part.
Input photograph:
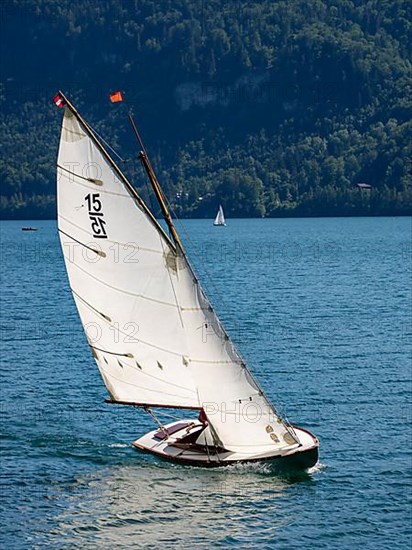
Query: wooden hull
(168, 448)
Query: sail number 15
(96, 215)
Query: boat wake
(317, 468)
(250, 467)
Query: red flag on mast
(59, 101)
(116, 96)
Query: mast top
(61, 97)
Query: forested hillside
(272, 108)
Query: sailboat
(220, 217)
(156, 339)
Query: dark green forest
(272, 108)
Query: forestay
(153, 333)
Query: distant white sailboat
(220, 217)
(155, 337)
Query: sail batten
(149, 308)
(116, 243)
(98, 252)
(91, 180)
(91, 188)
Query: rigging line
(159, 196)
(153, 203)
(217, 453)
(219, 295)
(212, 433)
(171, 416)
(155, 185)
(207, 450)
(149, 194)
(194, 249)
(152, 414)
(105, 142)
(215, 444)
(285, 422)
(130, 115)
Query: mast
(144, 158)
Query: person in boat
(203, 418)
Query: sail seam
(142, 372)
(110, 375)
(144, 342)
(138, 247)
(169, 304)
(174, 291)
(66, 129)
(150, 344)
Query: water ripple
(328, 333)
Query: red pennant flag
(116, 96)
(59, 101)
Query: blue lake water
(321, 310)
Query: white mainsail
(153, 333)
(220, 217)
